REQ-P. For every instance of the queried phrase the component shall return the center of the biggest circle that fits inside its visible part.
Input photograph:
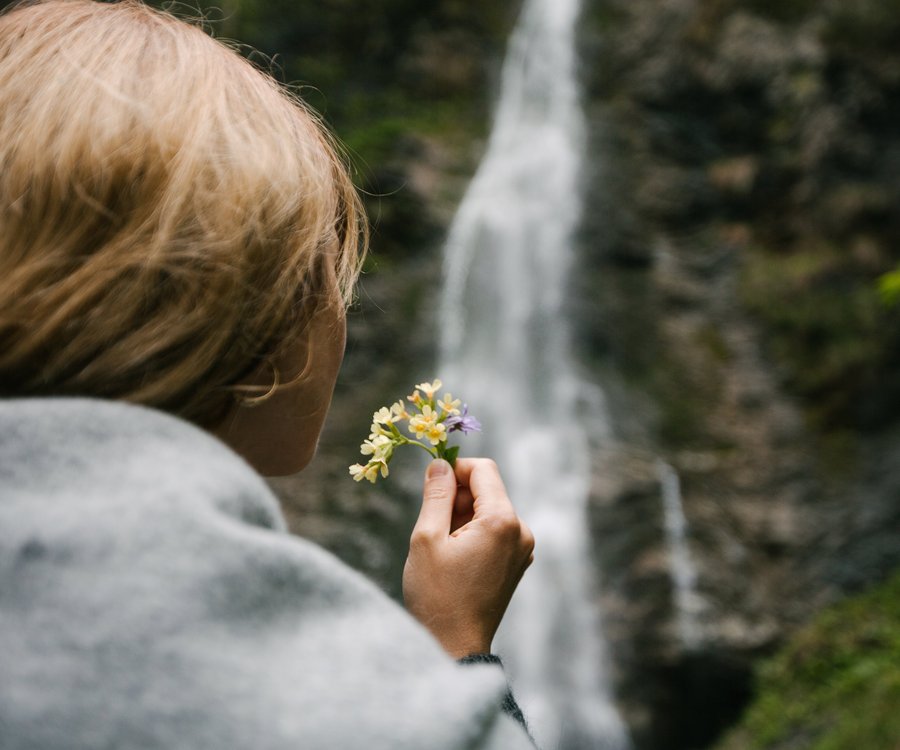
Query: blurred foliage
(864, 24)
(835, 686)
(889, 288)
(829, 329)
(372, 69)
(857, 25)
(386, 75)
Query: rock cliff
(740, 216)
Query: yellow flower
(436, 433)
(450, 405)
(429, 388)
(421, 423)
(430, 420)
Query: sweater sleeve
(509, 705)
(144, 560)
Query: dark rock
(725, 128)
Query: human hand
(467, 553)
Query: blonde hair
(170, 217)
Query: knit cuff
(481, 659)
(509, 705)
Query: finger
(466, 467)
(463, 509)
(482, 477)
(464, 501)
(438, 495)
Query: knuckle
(505, 526)
(482, 464)
(527, 539)
(421, 539)
(490, 465)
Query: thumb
(438, 497)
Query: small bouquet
(430, 420)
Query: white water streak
(505, 345)
(682, 572)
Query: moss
(839, 452)
(864, 24)
(710, 339)
(889, 288)
(682, 392)
(788, 11)
(680, 418)
(835, 686)
(711, 12)
(378, 125)
(600, 15)
(828, 330)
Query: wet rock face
(769, 125)
(675, 692)
(729, 151)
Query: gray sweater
(150, 597)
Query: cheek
(328, 355)
(310, 402)
(279, 437)
(340, 339)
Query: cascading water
(505, 345)
(682, 572)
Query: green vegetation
(864, 24)
(889, 288)
(830, 331)
(374, 70)
(871, 23)
(836, 686)
(388, 76)
(373, 139)
(822, 260)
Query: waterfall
(682, 572)
(505, 347)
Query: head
(176, 229)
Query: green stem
(431, 452)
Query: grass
(835, 686)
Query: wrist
(460, 645)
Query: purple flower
(463, 423)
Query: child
(178, 240)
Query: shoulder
(154, 598)
(104, 449)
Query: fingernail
(438, 468)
